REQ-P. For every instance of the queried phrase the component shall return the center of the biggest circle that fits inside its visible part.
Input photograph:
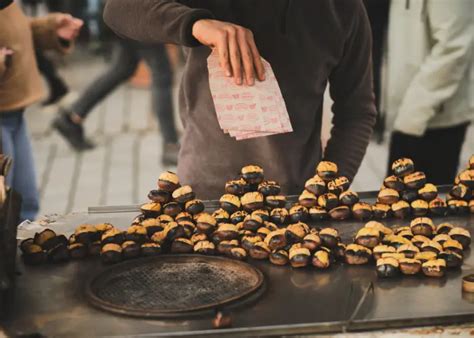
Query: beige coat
(20, 82)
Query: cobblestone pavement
(125, 164)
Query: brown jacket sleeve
(351, 88)
(154, 21)
(45, 35)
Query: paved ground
(125, 164)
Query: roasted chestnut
(172, 209)
(296, 232)
(165, 219)
(130, 249)
(183, 194)
(174, 230)
(338, 185)
(77, 250)
(326, 170)
(409, 195)
(205, 223)
(422, 226)
(94, 248)
(453, 245)
(101, 228)
(225, 246)
(409, 266)
(432, 246)
(249, 241)
(452, 258)
(279, 257)
(113, 236)
(321, 259)
(415, 180)
(329, 237)
(205, 248)
(270, 225)
(264, 214)
(152, 209)
(46, 239)
(394, 182)
(298, 213)
(403, 167)
(236, 187)
(159, 196)
(461, 235)
(263, 232)
(311, 242)
(168, 181)
(237, 253)
(441, 238)
(279, 216)
(428, 192)
(194, 206)
(419, 207)
(276, 239)
(150, 249)
(381, 211)
(379, 250)
(408, 250)
(388, 196)
(111, 253)
(466, 177)
(269, 188)
(307, 199)
(444, 228)
(199, 236)
(252, 222)
(136, 233)
(406, 234)
(339, 251)
(318, 213)
(299, 256)
(182, 245)
(348, 198)
(340, 213)
(252, 201)
(259, 250)
(275, 201)
(387, 267)
(151, 226)
(396, 241)
(401, 209)
(418, 240)
(230, 203)
(438, 207)
(383, 230)
(33, 254)
(434, 268)
(368, 237)
(362, 211)
(225, 232)
(328, 201)
(458, 207)
(238, 216)
(357, 254)
(252, 174)
(425, 256)
(316, 185)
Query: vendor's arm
(439, 76)
(354, 103)
(55, 31)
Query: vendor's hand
(68, 27)
(4, 54)
(236, 49)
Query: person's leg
(441, 149)
(57, 86)
(8, 123)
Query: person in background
(125, 59)
(308, 44)
(430, 83)
(20, 86)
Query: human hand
(5, 53)
(67, 26)
(238, 54)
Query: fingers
(247, 57)
(257, 60)
(235, 55)
(222, 50)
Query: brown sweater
(308, 43)
(20, 82)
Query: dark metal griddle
(174, 286)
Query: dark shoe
(72, 132)
(58, 91)
(170, 153)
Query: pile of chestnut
(461, 197)
(409, 250)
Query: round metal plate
(174, 285)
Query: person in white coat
(430, 83)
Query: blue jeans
(22, 176)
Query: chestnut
(396, 241)
(398, 256)
(394, 182)
(318, 213)
(204, 247)
(327, 170)
(348, 198)
(403, 167)
(415, 180)
(401, 209)
(428, 192)
(165, 219)
(340, 213)
(252, 222)
(461, 235)
(422, 226)
(441, 238)
(307, 199)
(379, 250)
(279, 257)
(381, 211)
(452, 258)
(298, 213)
(221, 216)
(471, 206)
(152, 209)
(438, 207)
(432, 246)
(237, 253)
(279, 216)
(172, 209)
(388, 196)
(276, 239)
(33, 254)
(199, 236)
(419, 207)
(362, 211)
(357, 254)
(188, 226)
(86, 233)
(225, 246)
(470, 164)
(136, 233)
(252, 201)
(159, 237)
(150, 249)
(269, 188)
(94, 248)
(275, 201)
(103, 227)
(328, 201)
(259, 250)
(263, 232)
(340, 251)
(159, 196)
(59, 252)
(230, 203)
(151, 225)
(418, 240)
(458, 207)
(113, 236)
(225, 232)
(270, 225)
(46, 239)
(130, 249)
(252, 174)
(383, 230)
(77, 250)
(339, 185)
(183, 194)
(299, 256)
(262, 213)
(466, 177)
(111, 253)
(387, 267)
(174, 230)
(194, 206)
(236, 187)
(311, 242)
(315, 185)
(409, 266)
(444, 228)
(168, 181)
(329, 237)
(249, 241)
(296, 232)
(409, 195)
(205, 223)
(238, 216)
(406, 234)
(321, 259)
(368, 237)
(434, 268)
(426, 256)
(408, 250)
(453, 245)
(182, 245)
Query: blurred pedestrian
(431, 83)
(126, 56)
(20, 86)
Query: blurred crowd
(422, 65)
